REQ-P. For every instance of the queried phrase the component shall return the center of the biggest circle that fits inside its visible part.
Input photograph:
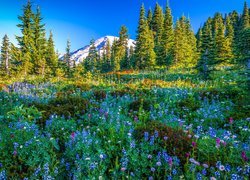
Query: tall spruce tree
(122, 55)
(51, 56)
(245, 17)
(222, 49)
(107, 57)
(67, 60)
(5, 57)
(92, 59)
(168, 38)
(157, 27)
(185, 44)
(150, 18)
(39, 39)
(144, 50)
(26, 40)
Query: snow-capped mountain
(80, 54)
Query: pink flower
(15, 153)
(73, 135)
(194, 144)
(170, 162)
(188, 154)
(244, 156)
(217, 142)
(123, 169)
(231, 120)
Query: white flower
(21, 146)
(24, 127)
(87, 159)
(221, 168)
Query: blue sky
(82, 20)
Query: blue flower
(199, 176)
(37, 171)
(227, 167)
(204, 172)
(146, 136)
(169, 178)
(3, 175)
(156, 134)
(217, 173)
(152, 169)
(174, 172)
(235, 177)
(152, 140)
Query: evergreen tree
(39, 49)
(92, 59)
(51, 56)
(168, 38)
(144, 50)
(26, 41)
(114, 50)
(5, 56)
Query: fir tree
(5, 56)
(26, 41)
(144, 50)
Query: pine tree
(144, 50)
(5, 57)
(92, 59)
(51, 56)
(39, 49)
(168, 38)
(26, 41)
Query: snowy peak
(100, 44)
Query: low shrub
(175, 141)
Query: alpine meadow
(170, 102)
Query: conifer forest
(171, 104)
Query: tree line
(223, 40)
